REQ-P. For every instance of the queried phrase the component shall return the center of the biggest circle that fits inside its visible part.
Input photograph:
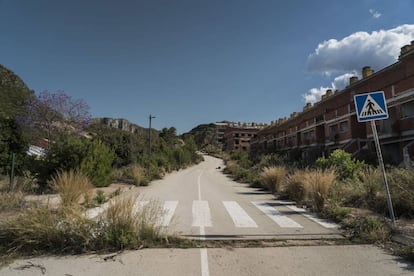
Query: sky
(189, 62)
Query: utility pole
(149, 143)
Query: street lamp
(149, 143)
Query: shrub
(401, 182)
(272, 178)
(372, 229)
(371, 182)
(295, 186)
(341, 161)
(38, 230)
(138, 175)
(100, 197)
(71, 186)
(11, 201)
(318, 183)
(124, 226)
(97, 163)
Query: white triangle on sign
(371, 108)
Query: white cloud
(377, 49)
(339, 83)
(348, 55)
(375, 13)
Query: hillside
(13, 93)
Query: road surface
(202, 203)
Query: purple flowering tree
(57, 112)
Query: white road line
(169, 209)
(276, 216)
(238, 215)
(199, 185)
(204, 262)
(201, 214)
(304, 213)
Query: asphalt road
(202, 203)
(205, 204)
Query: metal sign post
(371, 107)
(384, 175)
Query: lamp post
(149, 143)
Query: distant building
(237, 136)
(332, 123)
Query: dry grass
(126, 224)
(71, 186)
(11, 201)
(272, 177)
(40, 230)
(295, 186)
(138, 175)
(318, 183)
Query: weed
(100, 197)
(295, 186)
(272, 178)
(40, 230)
(318, 183)
(11, 201)
(138, 175)
(71, 186)
(372, 229)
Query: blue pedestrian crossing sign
(371, 106)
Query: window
(333, 131)
(343, 126)
(407, 109)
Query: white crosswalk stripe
(168, 212)
(276, 216)
(319, 221)
(238, 215)
(201, 214)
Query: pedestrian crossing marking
(238, 215)
(276, 216)
(319, 221)
(168, 212)
(201, 214)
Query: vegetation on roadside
(335, 187)
(39, 230)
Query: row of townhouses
(332, 123)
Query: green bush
(97, 163)
(341, 161)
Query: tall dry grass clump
(38, 230)
(125, 224)
(318, 183)
(295, 186)
(71, 186)
(11, 201)
(272, 177)
(138, 175)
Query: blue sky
(192, 62)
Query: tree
(57, 112)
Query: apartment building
(237, 136)
(331, 123)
